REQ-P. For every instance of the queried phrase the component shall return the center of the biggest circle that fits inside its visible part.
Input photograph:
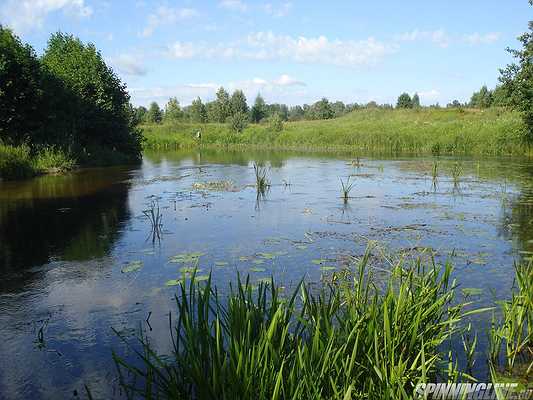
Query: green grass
(17, 162)
(362, 338)
(423, 131)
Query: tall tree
(155, 114)
(416, 101)
(173, 110)
(517, 80)
(404, 101)
(222, 105)
(20, 90)
(322, 109)
(258, 111)
(481, 98)
(96, 104)
(198, 111)
(238, 103)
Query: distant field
(424, 131)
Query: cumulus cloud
(167, 15)
(477, 38)
(25, 15)
(128, 64)
(234, 5)
(269, 46)
(438, 37)
(277, 88)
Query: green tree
(140, 114)
(198, 111)
(238, 122)
(173, 110)
(482, 98)
(275, 123)
(238, 103)
(416, 101)
(21, 99)
(222, 105)
(339, 109)
(154, 113)
(296, 113)
(94, 105)
(404, 101)
(517, 80)
(258, 111)
(322, 109)
(500, 97)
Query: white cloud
(269, 46)
(278, 11)
(25, 15)
(277, 88)
(234, 5)
(128, 64)
(477, 38)
(438, 37)
(430, 95)
(167, 15)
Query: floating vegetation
(155, 217)
(221, 263)
(328, 268)
(468, 292)
(258, 261)
(217, 186)
(132, 267)
(173, 282)
(346, 188)
(257, 269)
(186, 257)
(261, 181)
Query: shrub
(275, 123)
(238, 122)
(15, 162)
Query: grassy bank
(423, 131)
(17, 162)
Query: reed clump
(365, 338)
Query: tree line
(68, 98)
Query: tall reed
(364, 338)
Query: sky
(292, 52)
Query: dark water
(68, 242)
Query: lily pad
(221, 263)
(201, 278)
(318, 261)
(268, 256)
(186, 257)
(244, 258)
(189, 270)
(264, 280)
(132, 267)
(328, 268)
(173, 282)
(258, 261)
(300, 246)
(257, 269)
(472, 291)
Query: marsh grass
(457, 172)
(435, 174)
(261, 179)
(154, 215)
(426, 131)
(364, 338)
(511, 337)
(346, 188)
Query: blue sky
(290, 51)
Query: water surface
(78, 257)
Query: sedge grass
(363, 338)
(346, 188)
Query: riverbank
(422, 131)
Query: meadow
(494, 131)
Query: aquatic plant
(155, 216)
(435, 174)
(457, 172)
(363, 338)
(513, 333)
(261, 181)
(346, 188)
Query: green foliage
(238, 103)
(21, 90)
(275, 123)
(15, 162)
(321, 110)
(416, 101)
(349, 340)
(154, 115)
(222, 106)
(173, 110)
(482, 98)
(258, 111)
(94, 105)
(53, 159)
(517, 80)
(198, 112)
(404, 101)
(141, 115)
(238, 122)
